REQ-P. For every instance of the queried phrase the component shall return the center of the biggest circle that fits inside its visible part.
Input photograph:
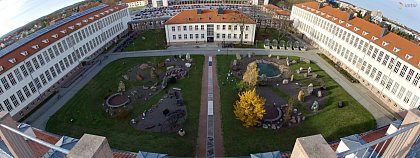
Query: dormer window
(54, 36)
(317, 11)
(396, 49)
(12, 60)
(45, 41)
(328, 16)
(340, 21)
(374, 38)
(322, 13)
(408, 56)
(303, 6)
(1, 68)
(63, 31)
(24, 53)
(385, 43)
(365, 33)
(35, 46)
(334, 18)
(111, 10)
(348, 25)
(312, 9)
(71, 27)
(356, 29)
(91, 18)
(97, 15)
(308, 8)
(106, 11)
(102, 13)
(79, 24)
(85, 20)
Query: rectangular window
(20, 95)
(185, 36)
(26, 90)
(373, 73)
(36, 64)
(53, 72)
(407, 96)
(174, 37)
(37, 83)
(14, 100)
(196, 27)
(246, 36)
(179, 36)
(224, 27)
(57, 68)
(50, 52)
(394, 89)
(47, 58)
(397, 67)
(375, 52)
(47, 73)
(388, 85)
(380, 56)
(378, 76)
(43, 80)
(62, 65)
(57, 53)
(184, 28)
(5, 83)
(8, 105)
(29, 66)
(202, 36)
(384, 62)
(409, 75)
(416, 79)
(173, 28)
(202, 27)
(18, 75)
(190, 27)
(401, 92)
(191, 36)
(384, 79)
(414, 101)
(11, 79)
(403, 70)
(218, 35)
(32, 86)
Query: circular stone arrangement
(117, 100)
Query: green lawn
(342, 71)
(153, 40)
(332, 122)
(90, 117)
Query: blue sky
(16, 13)
(406, 12)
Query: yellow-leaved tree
(251, 74)
(249, 108)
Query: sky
(17, 13)
(406, 12)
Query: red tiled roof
(38, 41)
(374, 135)
(130, 1)
(282, 12)
(209, 16)
(405, 46)
(271, 7)
(124, 154)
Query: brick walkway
(210, 140)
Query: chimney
(199, 11)
(350, 16)
(321, 5)
(384, 30)
(220, 10)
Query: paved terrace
(39, 118)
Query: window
(380, 56)
(190, 27)
(35, 63)
(373, 73)
(43, 80)
(173, 28)
(1, 90)
(184, 28)
(202, 27)
(37, 83)
(407, 96)
(401, 92)
(174, 37)
(223, 35)
(246, 36)
(229, 27)
(179, 36)
(414, 101)
(384, 62)
(185, 36)
(196, 27)
(26, 90)
(391, 63)
(191, 36)
(50, 52)
(18, 75)
(41, 60)
(196, 36)
(388, 85)
(246, 28)
(5, 83)
(235, 27)
(229, 36)
(384, 79)
(14, 100)
(11, 79)
(57, 68)
(378, 76)
(8, 105)
(47, 58)
(218, 35)
(224, 27)
(47, 73)
(397, 67)
(235, 36)
(32, 86)
(416, 79)
(375, 52)
(410, 74)
(29, 66)
(53, 72)
(403, 70)
(363, 66)
(202, 36)
(179, 28)
(394, 89)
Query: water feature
(269, 70)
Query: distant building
(159, 3)
(376, 16)
(135, 3)
(221, 26)
(276, 12)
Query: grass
(261, 35)
(342, 71)
(332, 122)
(88, 115)
(153, 40)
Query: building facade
(385, 63)
(202, 26)
(135, 3)
(159, 3)
(32, 68)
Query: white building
(221, 26)
(135, 3)
(159, 3)
(32, 68)
(387, 64)
(276, 12)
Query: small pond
(269, 70)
